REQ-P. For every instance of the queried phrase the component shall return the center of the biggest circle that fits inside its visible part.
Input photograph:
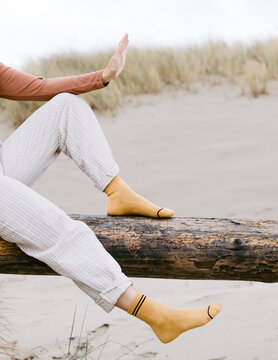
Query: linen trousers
(39, 227)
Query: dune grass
(149, 70)
(89, 346)
(7, 342)
(76, 348)
(82, 349)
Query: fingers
(123, 43)
(125, 38)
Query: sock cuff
(110, 188)
(136, 303)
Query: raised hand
(117, 61)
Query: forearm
(18, 85)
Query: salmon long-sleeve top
(19, 85)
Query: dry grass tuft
(148, 70)
(256, 74)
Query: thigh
(34, 145)
(27, 217)
(44, 231)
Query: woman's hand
(117, 61)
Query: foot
(176, 321)
(122, 200)
(169, 322)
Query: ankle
(126, 299)
(111, 187)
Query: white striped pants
(39, 227)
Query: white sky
(34, 28)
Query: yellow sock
(168, 322)
(122, 200)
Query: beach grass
(7, 342)
(82, 349)
(77, 348)
(149, 70)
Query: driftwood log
(176, 248)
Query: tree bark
(175, 248)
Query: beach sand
(211, 154)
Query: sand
(210, 154)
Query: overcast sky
(34, 28)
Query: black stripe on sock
(209, 313)
(140, 306)
(158, 212)
(137, 304)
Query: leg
(44, 231)
(67, 123)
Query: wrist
(105, 77)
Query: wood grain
(175, 248)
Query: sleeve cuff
(100, 84)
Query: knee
(64, 96)
(67, 97)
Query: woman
(43, 230)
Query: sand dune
(208, 154)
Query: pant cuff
(107, 178)
(108, 298)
